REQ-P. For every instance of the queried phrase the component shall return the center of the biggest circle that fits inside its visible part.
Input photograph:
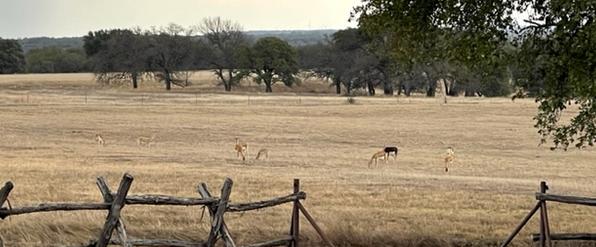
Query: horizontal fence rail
(545, 237)
(114, 231)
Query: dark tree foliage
(56, 60)
(273, 60)
(557, 50)
(119, 55)
(12, 59)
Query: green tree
(273, 60)
(56, 60)
(117, 55)
(558, 47)
(12, 59)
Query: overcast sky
(67, 18)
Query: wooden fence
(217, 207)
(545, 237)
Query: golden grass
(48, 151)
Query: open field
(48, 122)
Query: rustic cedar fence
(217, 207)
(545, 237)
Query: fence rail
(545, 237)
(114, 230)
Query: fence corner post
(114, 213)
(222, 205)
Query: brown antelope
(99, 139)
(145, 141)
(263, 153)
(378, 155)
(449, 158)
(241, 149)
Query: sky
(70, 18)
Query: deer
(263, 153)
(145, 141)
(99, 139)
(378, 155)
(449, 158)
(241, 149)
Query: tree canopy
(557, 49)
(12, 59)
(273, 60)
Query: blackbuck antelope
(263, 153)
(390, 151)
(449, 158)
(241, 149)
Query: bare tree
(226, 39)
(171, 53)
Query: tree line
(350, 60)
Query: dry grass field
(47, 148)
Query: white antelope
(99, 139)
(145, 141)
(449, 158)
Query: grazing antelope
(390, 151)
(241, 149)
(145, 141)
(263, 153)
(99, 139)
(449, 157)
(376, 157)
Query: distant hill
(294, 37)
(41, 42)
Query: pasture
(47, 148)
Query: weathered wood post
(544, 224)
(107, 197)
(224, 231)
(295, 223)
(222, 205)
(114, 213)
(8, 186)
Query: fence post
(8, 186)
(107, 197)
(114, 213)
(222, 205)
(295, 223)
(544, 224)
(224, 231)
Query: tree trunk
(432, 88)
(228, 86)
(387, 88)
(168, 79)
(371, 89)
(338, 87)
(407, 91)
(134, 80)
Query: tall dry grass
(47, 150)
